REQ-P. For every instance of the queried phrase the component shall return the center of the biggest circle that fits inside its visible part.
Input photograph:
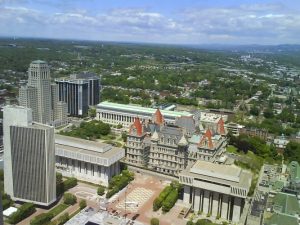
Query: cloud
(252, 22)
(255, 23)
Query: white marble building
(124, 114)
(216, 190)
(87, 160)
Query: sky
(155, 21)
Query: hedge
(154, 221)
(101, 190)
(41, 219)
(63, 219)
(170, 200)
(58, 209)
(157, 204)
(82, 204)
(45, 218)
(118, 182)
(23, 212)
(63, 186)
(69, 199)
(69, 183)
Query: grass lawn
(58, 209)
(231, 149)
(108, 137)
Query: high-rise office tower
(75, 94)
(59, 108)
(27, 98)
(93, 86)
(39, 77)
(39, 94)
(79, 91)
(29, 157)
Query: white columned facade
(197, 200)
(236, 209)
(186, 194)
(206, 202)
(224, 206)
(215, 204)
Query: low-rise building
(216, 190)
(87, 160)
(255, 132)
(280, 143)
(125, 115)
(234, 128)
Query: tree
(292, 151)
(101, 190)
(268, 113)
(82, 204)
(254, 111)
(59, 184)
(154, 221)
(92, 112)
(69, 199)
(124, 136)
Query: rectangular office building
(87, 160)
(75, 94)
(29, 158)
(216, 190)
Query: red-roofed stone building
(137, 150)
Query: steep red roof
(207, 139)
(221, 129)
(136, 125)
(158, 117)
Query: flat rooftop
(89, 151)
(82, 143)
(225, 172)
(219, 173)
(139, 109)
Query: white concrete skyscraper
(29, 157)
(41, 96)
(39, 77)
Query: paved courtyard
(140, 195)
(135, 199)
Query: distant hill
(251, 48)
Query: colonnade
(86, 171)
(213, 203)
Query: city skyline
(171, 22)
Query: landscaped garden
(118, 182)
(167, 198)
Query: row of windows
(238, 191)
